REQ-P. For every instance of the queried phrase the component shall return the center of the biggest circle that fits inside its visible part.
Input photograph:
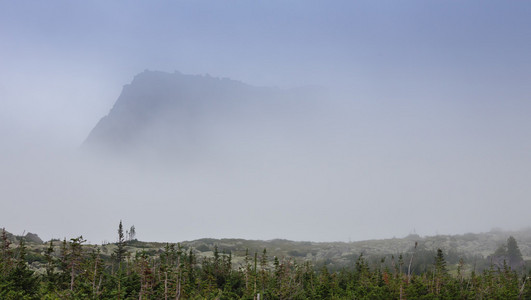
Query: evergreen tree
(175, 274)
(120, 250)
(75, 257)
(18, 281)
(50, 277)
(120, 253)
(513, 252)
(440, 272)
(6, 257)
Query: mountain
(163, 113)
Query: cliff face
(175, 113)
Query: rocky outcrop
(33, 238)
(173, 112)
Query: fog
(422, 124)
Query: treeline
(77, 271)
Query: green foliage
(120, 251)
(17, 281)
(73, 270)
(513, 252)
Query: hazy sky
(432, 131)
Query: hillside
(276, 269)
(471, 247)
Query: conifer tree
(120, 253)
(263, 271)
(18, 281)
(513, 252)
(6, 257)
(120, 250)
(75, 256)
(50, 276)
(440, 272)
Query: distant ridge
(174, 113)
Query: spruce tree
(120, 250)
(75, 257)
(513, 252)
(120, 253)
(441, 272)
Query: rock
(33, 238)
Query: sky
(427, 130)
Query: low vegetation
(487, 265)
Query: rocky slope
(174, 114)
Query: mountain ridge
(162, 110)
